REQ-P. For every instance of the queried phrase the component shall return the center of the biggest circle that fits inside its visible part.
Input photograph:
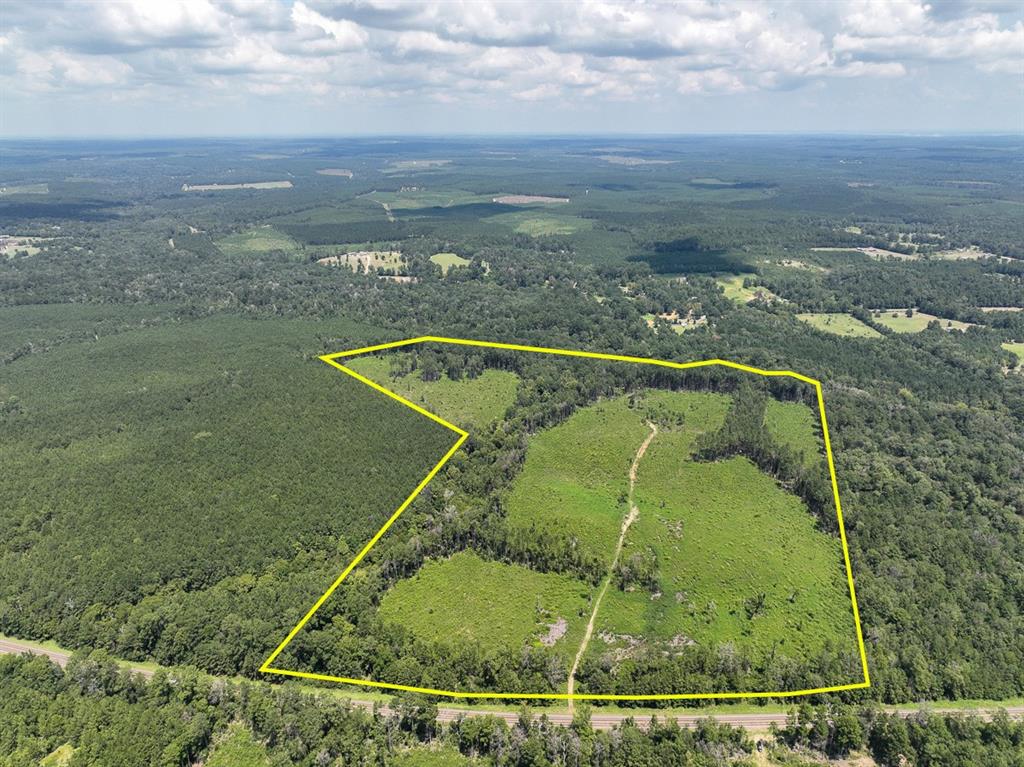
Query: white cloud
(477, 50)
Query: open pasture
(491, 604)
(469, 402)
(897, 320)
(839, 324)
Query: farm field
(528, 199)
(490, 604)
(448, 260)
(839, 324)
(468, 402)
(260, 240)
(222, 187)
(897, 320)
(335, 172)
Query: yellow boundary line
(331, 359)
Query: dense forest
(172, 435)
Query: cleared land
(11, 246)
(449, 260)
(495, 605)
(739, 561)
(366, 260)
(469, 402)
(796, 426)
(335, 172)
(260, 240)
(404, 165)
(527, 199)
(24, 189)
(734, 289)
(222, 187)
(839, 324)
(1016, 347)
(574, 480)
(618, 159)
(238, 749)
(897, 320)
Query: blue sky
(247, 67)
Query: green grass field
(238, 749)
(260, 240)
(1016, 347)
(897, 320)
(839, 324)
(723, 533)
(541, 223)
(495, 605)
(733, 288)
(471, 402)
(576, 476)
(796, 425)
(448, 260)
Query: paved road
(755, 721)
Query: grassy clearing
(897, 320)
(260, 240)
(449, 260)
(470, 402)
(796, 425)
(7, 189)
(575, 478)
(1016, 347)
(400, 166)
(839, 324)
(734, 290)
(238, 749)
(495, 605)
(724, 534)
(541, 223)
(416, 198)
(59, 757)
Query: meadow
(897, 320)
(796, 426)
(739, 561)
(839, 324)
(575, 478)
(469, 402)
(260, 240)
(448, 261)
(466, 599)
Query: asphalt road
(599, 721)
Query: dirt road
(630, 518)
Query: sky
(137, 68)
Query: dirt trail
(630, 518)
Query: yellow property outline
(331, 359)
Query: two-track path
(631, 516)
